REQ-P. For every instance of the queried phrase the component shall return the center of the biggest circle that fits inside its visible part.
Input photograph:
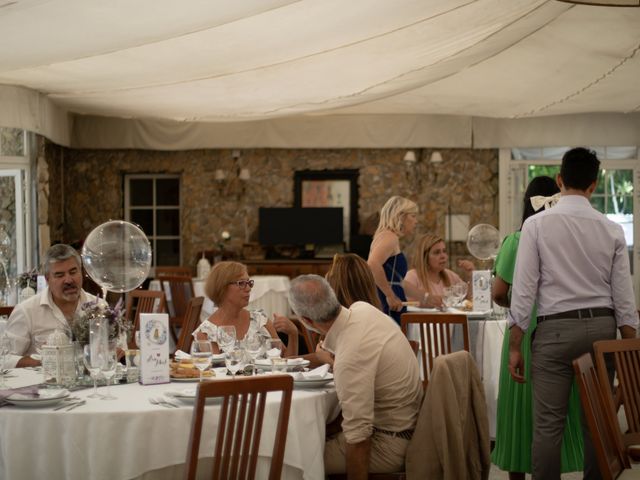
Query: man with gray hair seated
(376, 375)
(52, 309)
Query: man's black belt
(406, 434)
(581, 313)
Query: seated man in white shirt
(376, 375)
(52, 309)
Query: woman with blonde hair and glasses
(429, 275)
(229, 287)
(398, 218)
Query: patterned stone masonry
(466, 181)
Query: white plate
(266, 362)
(47, 398)
(188, 395)
(313, 383)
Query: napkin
(31, 390)
(180, 355)
(295, 361)
(315, 374)
(274, 352)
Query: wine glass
(5, 348)
(460, 291)
(448, 297)
(93, 363)
(253, 346)
(234, 361)
(226, 337)
(108, 368)
(201, 353)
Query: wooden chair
(173, 271)
(181, 288)
(240, 425)
(435, 336)
(191, 321)
(310, 338)
(626, 357)
(5, 311)
(605, 434)
(143, 301)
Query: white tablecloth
(124, 438)
(485, 341)
(269, 293)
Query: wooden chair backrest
(435, 336)
(626, 358)
(605, 433)
(310, 338)
(191, 321)
(181, 288)
(173, 271)
(5, 311)
(240, 425)
(144, 301)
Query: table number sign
(481, 290)
(154, 348)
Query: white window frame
(508, 200)
(20, 169)
(127, 208)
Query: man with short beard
(50, 310)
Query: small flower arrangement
(225, 236)
(28, 279)
(95, 309)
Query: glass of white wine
(234, 361)
(201, 353)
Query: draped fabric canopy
(266, 63)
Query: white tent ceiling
(211, 62)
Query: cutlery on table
(162, 403)
(75, 405)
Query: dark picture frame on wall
(330, 188)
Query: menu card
(481, 290)
(154, 348)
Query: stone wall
(92, 181)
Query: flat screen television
(300, 226)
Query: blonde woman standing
(398, 218)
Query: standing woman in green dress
(514, 427)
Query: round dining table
(132, 438)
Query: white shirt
(572, 257)
(35, 316)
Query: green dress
(514, 420)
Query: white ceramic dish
(46, 398)
(313, 382)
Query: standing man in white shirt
(573, 263)
(52, 309)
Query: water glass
(234, 361)
(108, 369)
(201, 353)
(226, 337)
(93, 363)
(132, 359)
(5, 349)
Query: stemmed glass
(449, 297)
(275, 347)
(108, 369)
(234, 361)
(201, 353)
(460, 291)
(5, 348)
(94, 365)
(226, 337)
(253, 346)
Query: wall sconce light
(234, 180)
(410, 157)
(436, 157)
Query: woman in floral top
(229, 287)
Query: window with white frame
(617, 194)
(16, 244)
(152, 201)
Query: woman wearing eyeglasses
(229, 287)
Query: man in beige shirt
(376, 375)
